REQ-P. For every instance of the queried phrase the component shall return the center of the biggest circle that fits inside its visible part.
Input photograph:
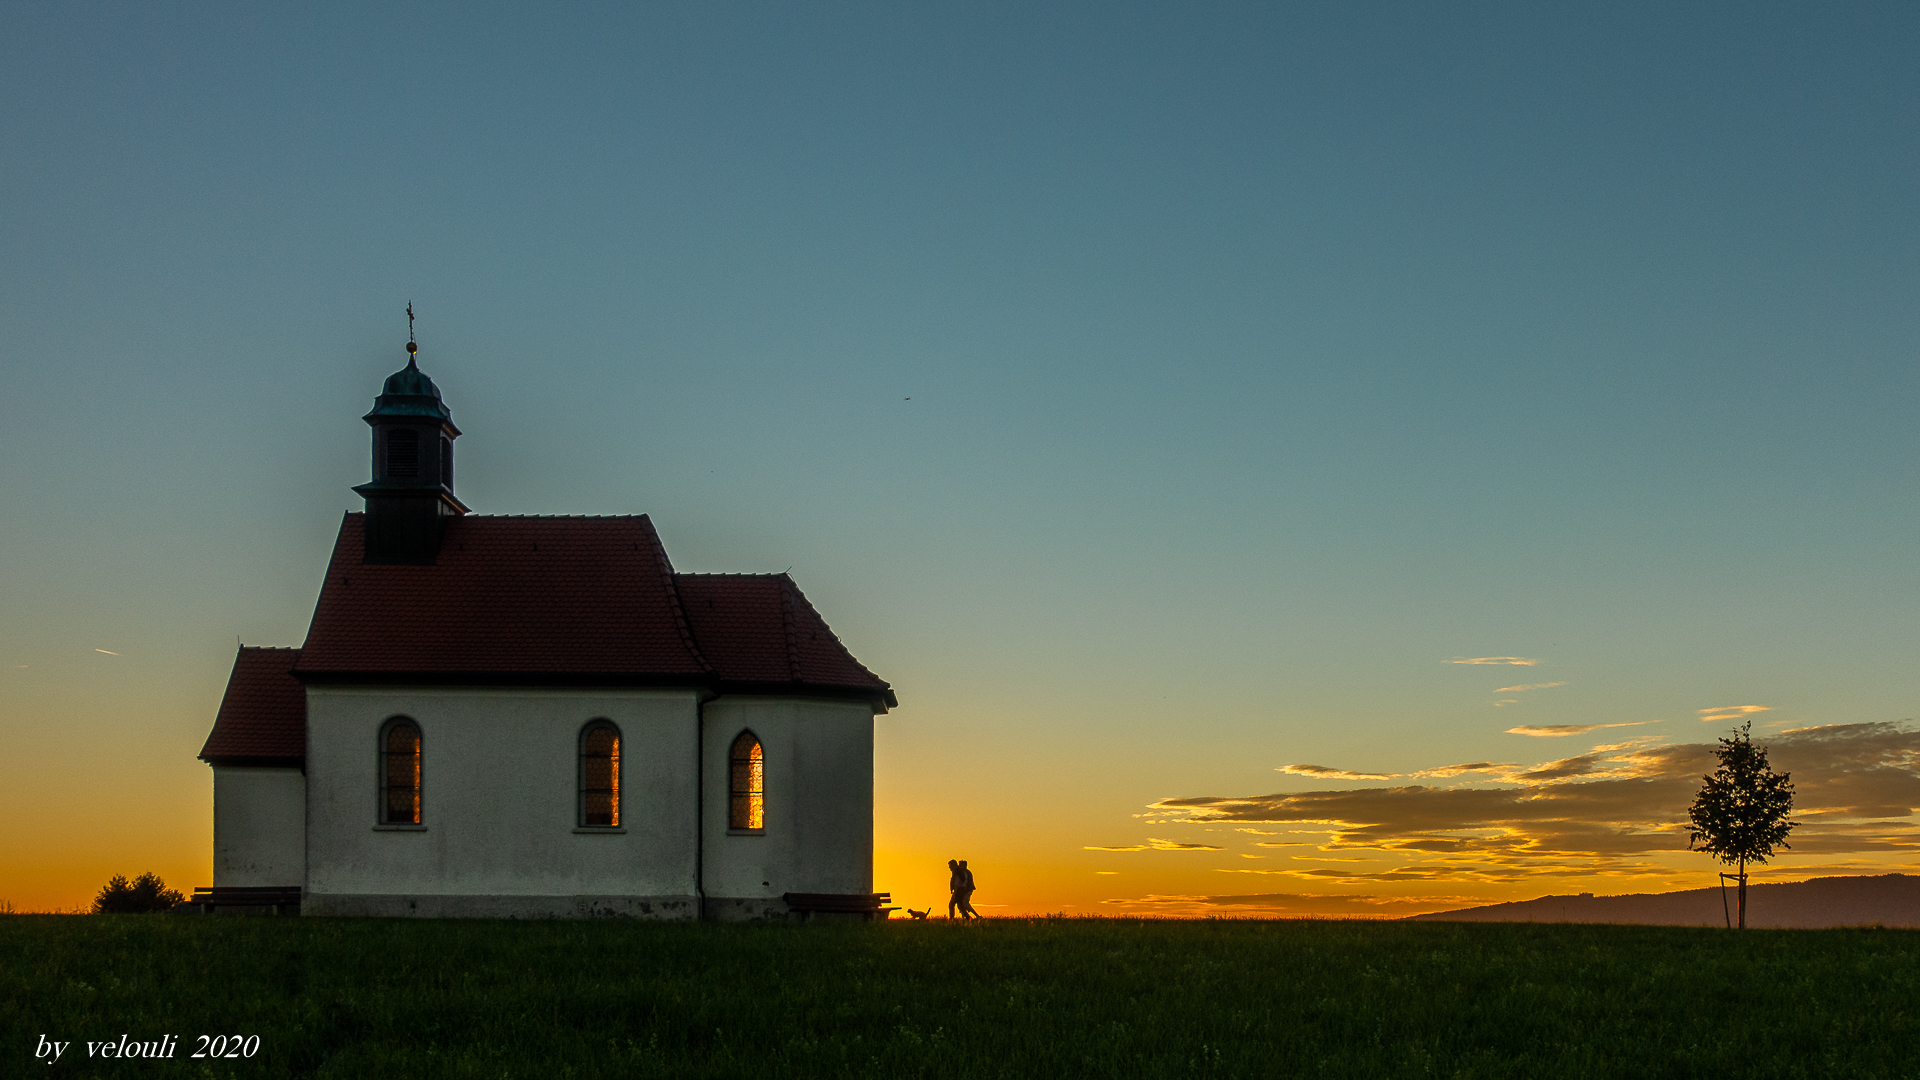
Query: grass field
(1015, 998)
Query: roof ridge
(681, 574)
(339, 540)
(786, 626)
(680, 622)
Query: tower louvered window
(446, 461)
(403, 453)
(600, 775)
(400, 773)
(748, 784)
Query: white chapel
(538, 717)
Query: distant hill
(1889, 900)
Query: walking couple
(960, 886)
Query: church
(538, 717)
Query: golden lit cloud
(107, 651)
(1175, 845)
(1446, 771)
(1528, 686)
(1564, 769)
(1520, 661)
(1159, 845)
(1731, 712)
(1321, 772)
(1555, 731)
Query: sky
(1289, 460)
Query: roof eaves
(691, 680)
(881, 697)
(244, 761)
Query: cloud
(1158, 845)
(109, 653)
(1470, 767)
(1564, 769)
(1321, 772)
(1519, 661)
(1638, 742)
(1601, 813)
(1528, 686)
(1731, 712)
(1555, 731)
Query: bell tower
(411, 493)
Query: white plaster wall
(498, 790)
(259, 826)
(819, 791)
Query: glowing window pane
(749, 785)
(600, 775)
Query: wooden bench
(247, 899)
(861, 905)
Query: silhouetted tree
(1740, 815)
(146, 893)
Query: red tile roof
(509, 596)
(263, 717)
(569, 599)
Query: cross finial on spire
(411, 347)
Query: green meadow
(1004, 998)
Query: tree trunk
(1743, 894)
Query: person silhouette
(964, 894)
(956, 880)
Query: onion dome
(409, 392)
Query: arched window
(403, 452)
(600, 775)
(400, 772)
(446, 462)
(749, 784)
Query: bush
(145, 894)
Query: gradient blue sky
(1261, 361)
